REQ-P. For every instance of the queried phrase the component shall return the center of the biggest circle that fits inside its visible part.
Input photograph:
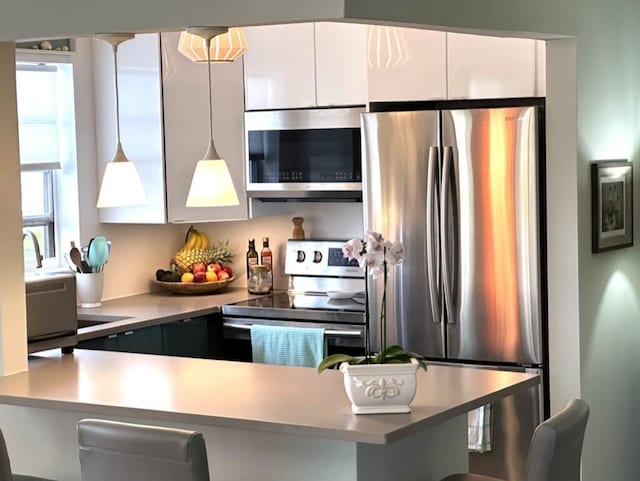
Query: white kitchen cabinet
(421, 74)
(140, 122)
(305, 65)
(341, 63)
(490, 67)
(186, 127)
(164, 125)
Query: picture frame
(611, 205)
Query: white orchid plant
(374, 255)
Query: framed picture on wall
(611, 205)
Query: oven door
(343, 338)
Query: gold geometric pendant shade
(225, 47)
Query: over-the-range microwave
(304, 154)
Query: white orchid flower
(373, 261)
(353, 249)
(374, 241)
(394, 253)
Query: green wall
(609, 128)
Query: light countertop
(246, 396)
(154, 308)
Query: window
(45, 123)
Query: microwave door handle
(445, 197)
(433, 257)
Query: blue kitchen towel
(287, 345)
(479, 429)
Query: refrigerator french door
(460, 188)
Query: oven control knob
(300, 257)
(317, 257)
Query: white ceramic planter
(380, 388)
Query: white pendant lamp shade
(386, 47)
(211, 184)
(121, 185)
(225, 47)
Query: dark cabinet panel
(147, 340)
(187, 338)
(106, 343)
(193, 337)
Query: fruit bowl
(192, 287)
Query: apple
(222, 275)
(198, 267)
(187, 277)
(228, 270)
(215, 267)
(211, 276)
(200, 276)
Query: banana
(192, 239)
(204, 239)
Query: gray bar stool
(115, 451)
(555, 449)
(5, 466)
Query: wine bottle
(252, 256)
(266, 258)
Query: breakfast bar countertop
(245, 396)
(151, 309)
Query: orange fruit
(211, 276)
(187, 277)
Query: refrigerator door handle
(444, 207)
(433, 258)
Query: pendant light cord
(115, 65)
(209, 78)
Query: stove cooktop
(298, 306)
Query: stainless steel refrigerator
(461, 185)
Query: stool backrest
(114, 451)
(5, 465)
(556, 445)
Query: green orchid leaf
(336, 359)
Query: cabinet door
(341, 64)
(280, 67)
(490, 67)
(140, 121)
(416, 69)
(186, 120)
(187, 338)
(147, 340)
(106, 343)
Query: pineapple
(197, 249)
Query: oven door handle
(328, 332)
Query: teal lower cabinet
(193, 337)
(187, 338)
(147, 340)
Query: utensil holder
(89, 289)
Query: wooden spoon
(76, 256)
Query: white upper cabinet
(406, 64)
(140, 121)
(305, 65)
(186, 123)
(490, 67)
(341, 67)
(165, 125)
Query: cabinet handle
(128, 333)
(112, 336)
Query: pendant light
(211, 185)
(121, 185)
(224, 47)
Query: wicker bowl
(190, 288)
